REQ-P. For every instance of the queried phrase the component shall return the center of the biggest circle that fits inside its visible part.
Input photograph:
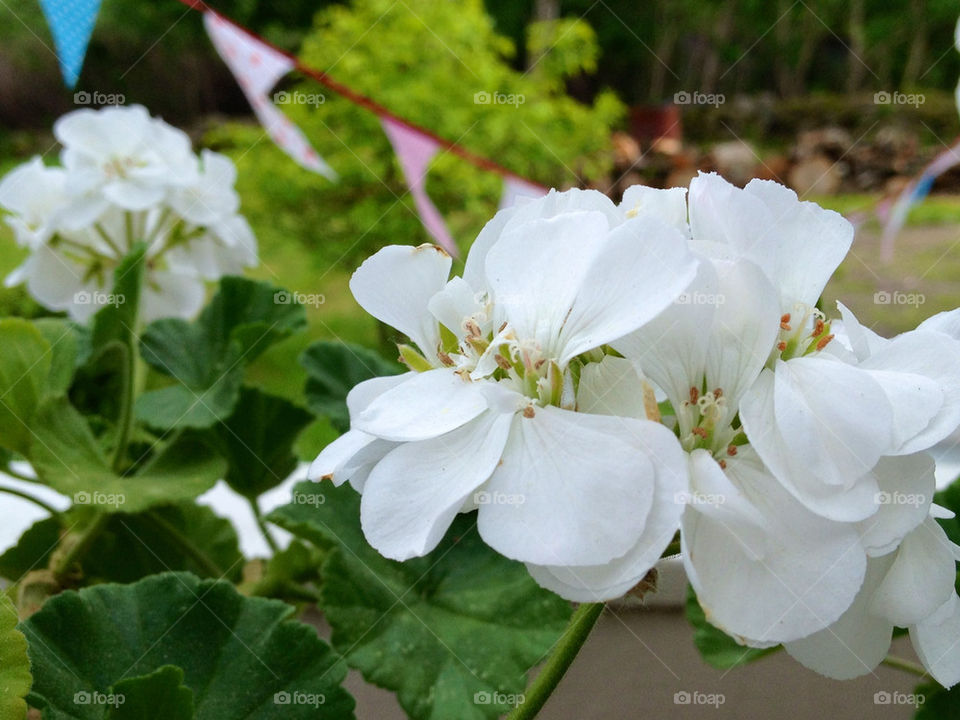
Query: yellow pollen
(824, 341)
(528, 411)
(694, 395)
(732, 450)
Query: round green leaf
(14, 664)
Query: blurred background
(845, 101)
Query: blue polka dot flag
(71, 24)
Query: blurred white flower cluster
(125, 178)
(603, 376)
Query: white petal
(669, 205)
(643, 267)
(337, 455)
(937, 642)
(920, 579)
(413, 494)
(611, 387)
(611, 580)
(537, 268)
(396, 284)
(907, 485)
(424, 406)
(167, 294)
(864, 342)
(856, 643)
(796, 577)
(820, 425)
(586, 486)
(364, 393)
(947, 322)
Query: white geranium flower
(489, 419)
(127, 178)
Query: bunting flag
(415, 149)
(913, 193)
(257, 68)
(517, 190)
(71, 25)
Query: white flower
(126, 178)
(490, 421)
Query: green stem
(258, 516)
(76, 552)
(186, 545)
(582, 622)
(27, 496)
(905, 665)
(127, 391)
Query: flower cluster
(603, 376)
(125, 178)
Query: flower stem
(128, 372)
(73, 554)
(27, 496)
(258, 516)
(582, 622)
(905, 665)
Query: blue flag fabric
(71, 24)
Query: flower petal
(907, 485)
(937, 642)
(586, 488)
(423, 406)
(395, 286)
(413, 494)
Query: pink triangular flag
(258, 67)
(516, 190)
(415, 150)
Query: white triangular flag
(258, 67)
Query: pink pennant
(415, 150)
(258, 67)
(517, 190)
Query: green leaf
(14, 664)
(132, 547)
(332, 371)
(257, 441)
(241, 321)
(24, 369)
(715, 646)
(67, 457)
(158, 696)
(117, 323)
(296, 563)
(179, 406)
(436, 630)
(938, 703)
(32, 551)
(65, 346)
(241, 657)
